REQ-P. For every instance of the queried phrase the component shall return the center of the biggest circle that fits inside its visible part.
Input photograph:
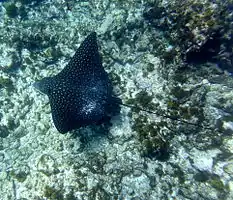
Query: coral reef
(199, 31)
(141, 155)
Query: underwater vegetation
(4, 132)
(182, 106)
(153, 144)
(11, 10)
(6, 83)
(57, 194)
(198, 31)
(148, 132)
(19, 7)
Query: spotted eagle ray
(82, 94)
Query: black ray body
(81, 94)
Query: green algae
(115, 78)
(53, 194)
(57, 194)
(169, 56)
(178, 108)
(153, 145)
(172, 104)
(11, 123)
(70, 196)
(47, 165)
(148, 135)
(6, 83)
(97, 162)
(178, 173)
(53, 53)
(11, 10)
(99, 193)
(150, 67)
(180, 77)
(180, 93)
(19, 176)
(28, 61)
(4, 132)
(142, 100)
(217, 183)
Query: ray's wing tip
(92, 36)
(90, 40)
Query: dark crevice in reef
(207, 53)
